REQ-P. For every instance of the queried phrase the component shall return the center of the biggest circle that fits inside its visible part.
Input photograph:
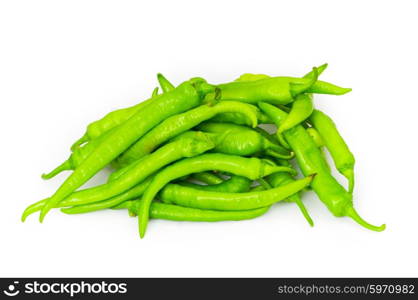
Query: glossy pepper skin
(228, 117)
(168, 134)
(178, 213)
(229, 139)
(343, 158)
(241, 140)
(124, 183)
(184, 97)
(251, 168)
(98, 128)
(234, 184)
(311, 161)
(302, 108)
(277, 90)
(74, 205)
(239, 119)
(179, 123)
(185, 147)
(96, 133)
(189, 197)
(77, 156)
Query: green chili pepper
(341, 154)
(78, 206)
(179, 123)
(189, 197)
(235, 184)
(241, 140)
(302, 108)
(229, 117)
(179, 213)
(77, 157)
(310, 160)
(184, 97)
(111, 120)
(186, 147)
(252, 168)
(276, 90)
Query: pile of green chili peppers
(196, 152)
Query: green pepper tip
(352, 213)
(304, 211)
(43, 213)
(66, 165)
(298, 88)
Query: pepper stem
(32, 209)
(349, 174)
(282, 140)
(352, 213)
(278, 169)
(155, 92)
(66, 165)
(276, 154)
(298, 88)
(276, 150)
(320, 69)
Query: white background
(66, 63)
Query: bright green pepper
(189, 197)
(302, 108)
(235, 184)
(343, 158)
(77, 156)
(179, 123)
(98, 128)
(178, 213)
(252, 168)
(184, 97)
(241, 140)
(208, 178)
(310, 160)
(277, 90)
